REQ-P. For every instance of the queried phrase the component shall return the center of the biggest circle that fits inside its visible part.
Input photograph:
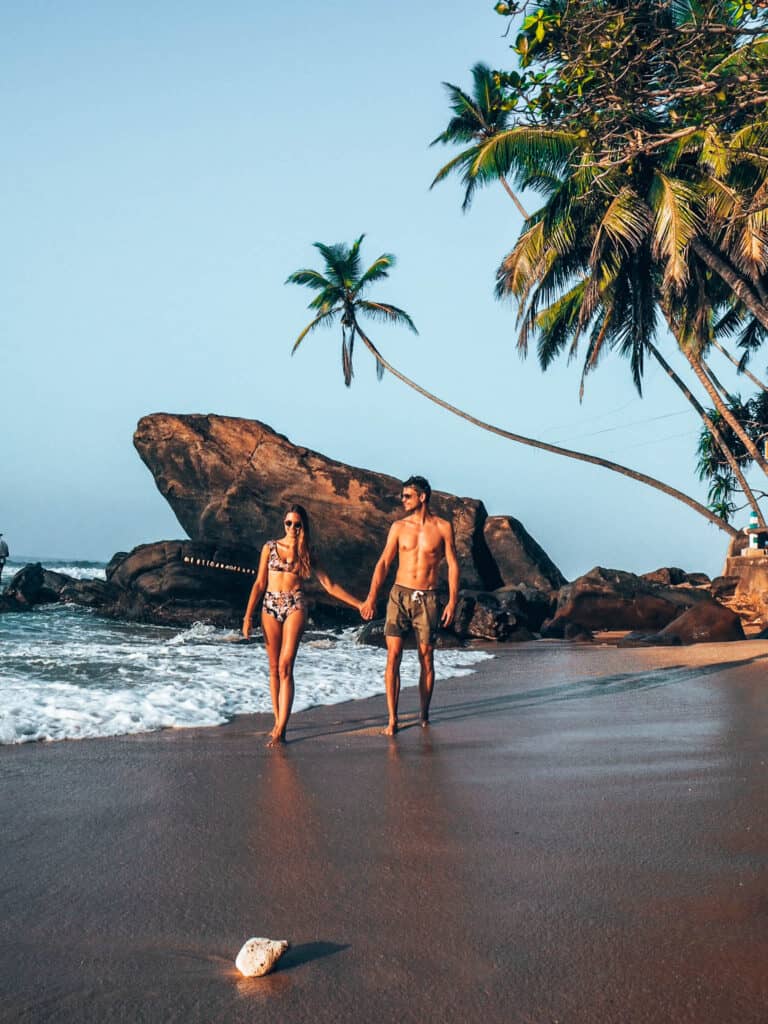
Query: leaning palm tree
(339, 301)
(476, 119)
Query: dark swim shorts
(416, 610)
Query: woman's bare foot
(424, 721)
(276, 739)
(391, 729)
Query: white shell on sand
(259, 956)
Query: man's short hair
(421, 484)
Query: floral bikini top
(276, 563)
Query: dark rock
(114, 562)
(565, 629)
(706, 622)
(489, 616)
(575, 631)
(607, 599)
(34, 585)
(520, 634)
(528, 604)
(698, 579)
(372, 634)
(519, 558)
(90, 593)
(723, 586)
(230, 480)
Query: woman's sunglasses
(292, 524)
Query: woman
(283, 565)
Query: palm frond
(386, 313)
(311, 278)
(377, 271)
(676, 222)
(324, 320)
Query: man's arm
(453, 575)
(380, 572)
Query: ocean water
(65, 673)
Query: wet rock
(89, 593)
(259, 956)
(34, 585)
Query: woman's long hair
(304, 544)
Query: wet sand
(580, 838)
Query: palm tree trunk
(723, 409)
(595, 460)
(739, 285)
(513, 197)
(711, 427)
(741, 369)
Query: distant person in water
(4, 553)
(420, 541)
(283, 567)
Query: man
(4, 552)
(420, 541)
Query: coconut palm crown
(339, 298)
(477, 119)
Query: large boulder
(520, 560)
(230, 480)
(177, 582)
(608, 599)
(705, 622)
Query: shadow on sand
(581, 689)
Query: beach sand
(582, 836)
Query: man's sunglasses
(292, 524)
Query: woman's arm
(257, 590)
(337, 591)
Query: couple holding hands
(420, 541)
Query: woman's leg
(273, 638)
(293, 627)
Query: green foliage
(711, 464)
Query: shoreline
(581, 836)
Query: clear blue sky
(167, 165)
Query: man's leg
(392, 680)
(426, 680)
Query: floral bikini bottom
(280, 604)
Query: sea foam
(67, 674)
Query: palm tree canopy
(340, 289)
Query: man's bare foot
(391, 729)
(276, 739)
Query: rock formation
(230, 480)
(610, 599)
